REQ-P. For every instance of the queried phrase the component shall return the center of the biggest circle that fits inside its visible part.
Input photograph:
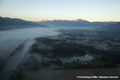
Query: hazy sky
(36, 10)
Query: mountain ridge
(77, 22)
(16, 21)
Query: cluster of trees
(68, 49)
(61, 48)
(109, 58)
(47, 41)
(98, 62)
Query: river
(15, 43)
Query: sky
(37, 10)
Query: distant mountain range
(13, 23)
(16, 21)
(74, 23)
(112, 27)
(104, 26)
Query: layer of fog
(86, 57)
(11, 39)
(91, 28)
(16, 43)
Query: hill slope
(13, 23)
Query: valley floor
(70, 74)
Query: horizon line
(75, 20)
